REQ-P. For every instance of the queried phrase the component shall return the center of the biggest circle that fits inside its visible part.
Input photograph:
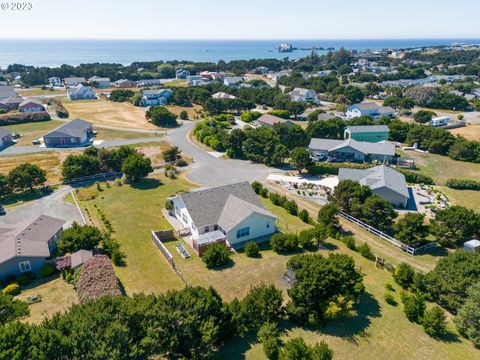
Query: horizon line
(249, 39)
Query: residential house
(369, 133)
(352, 150)
(278, 75)
(304, 95)
(81, 92)
(223, 96)
(471, 245)
(182, 74)
(232, 81)
(196, 80)
(55, 82)
(6, 138)
(26, 246)
(369, 109)
(77, 132)
(74, 81)
(270, 120)
(384, 181)
(156, 97)
(7, 92)
(10, 103)
(232, 212)
(124, 83)
(149, 82)
(31, 105)
(439, 121)
(99, 82)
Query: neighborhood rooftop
(381, 148)
(7, 91)
(368, 128)
(75, 128)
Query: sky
(241, 19)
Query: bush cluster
(22, 118)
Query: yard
(40, 92)
(50, 161)
(375, 329)
(191, 111)
(33, 131)
(56, 295)
(104, 112)
(470, 132)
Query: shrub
(284, 242)
(463, 184)
(181, 163)
(271, 347)
(12, 289)
(305, 238)
(249, 116)
(291, 206)
(403, 275)
(257, 187)
(389, 287)
(183, 115)
(414, 307)
(24, 279)
(264, 193)
(366, 252)
(349, 241)
(434, 322)
(251, 249)
(216, 255)
(47, 270)
(304, 216)
(22, 118)
(390, 299)
(415, 177)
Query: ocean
(74, 52)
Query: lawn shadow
(329, 246)
(236, 347)
(228, 265)
(39, 281)
(147, 184)
(449, 337)
(27, 196)
(356, 325)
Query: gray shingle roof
(28, 101)
(367, 106)
(7, 91)
(4, 132)
(28, 239)
(224, 205)
(74, 128)
(376, 178)
(379, 148)
(12, 100)
(80, 257)
(271, 120)
(368, 128)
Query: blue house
(182, 74)
(26, 246)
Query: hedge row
(22, 118)
(416, 178)
(60, 110)
(463, 184)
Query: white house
(55, 82)
(74, 81)
(156, 97)
(439, 121)
(232, 80)
(196, 80)
(31, 105)
(223, 96)
(99, 82)
(81, 92)
(303, 95)
(233, 212)
(369, 109)
(182, 74)
(149, 82)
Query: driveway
(52, 205)
(210, 171)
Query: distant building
(439, 121)
(182, 74)
(55, 82)
(74, 81)
(352, 150)
(223, 96)
(77, 132)
(304, 95)
(124, 83)
(99, 82)
(385, 182)
(149, 82)
(26, 246)
(369, 109)
(6, 138)
(7, 92)
(232, 81)
(196, 80)
(10, 103)
(471, 245)
(278, 75)
(271, 120)
(369, 133)
(31, 105)
(156, 97)
(81, 92)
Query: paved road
(52, 205)
(211, 171)
(19, 150)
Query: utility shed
(472, 245)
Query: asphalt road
(210, 171)
(52, 205)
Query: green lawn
(32, 131)
(111, 134)
(468, 198)
(133, 212)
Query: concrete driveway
(52, 205)
(210, 171)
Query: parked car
(36, 142)
(2, 210)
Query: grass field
(376, 328)
(49, 161)
(112, 134)
(56, 294)
(468, 198)
(39, 92)
(191, 111)
(103, 112)
(32, 131)
(176, 82)
(470, 132)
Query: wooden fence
(156, 236)
(409, 249)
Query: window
(243, 232)
(268, 224)
(24, 266)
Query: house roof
(4, 132)
(366, 106)
(74, 80)
(222, 95)
(99, 79)
(31, 101)
(80, 257)
(7, 91)
(78, 88)
(271, 119)
(122, 81)
(74, 128)
(386, 110)
(28, 238)
(224, 205)
(300, 92)
(378, 148)
(12, 100)
(368, 129)
(233, 79)
(377, 177)
(156, 91)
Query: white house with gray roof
(232, 212)
(303, 95)
(352, 150)
(369, 109)
(77, 132)
(382, 180)
(81, 92)
(26, 246)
